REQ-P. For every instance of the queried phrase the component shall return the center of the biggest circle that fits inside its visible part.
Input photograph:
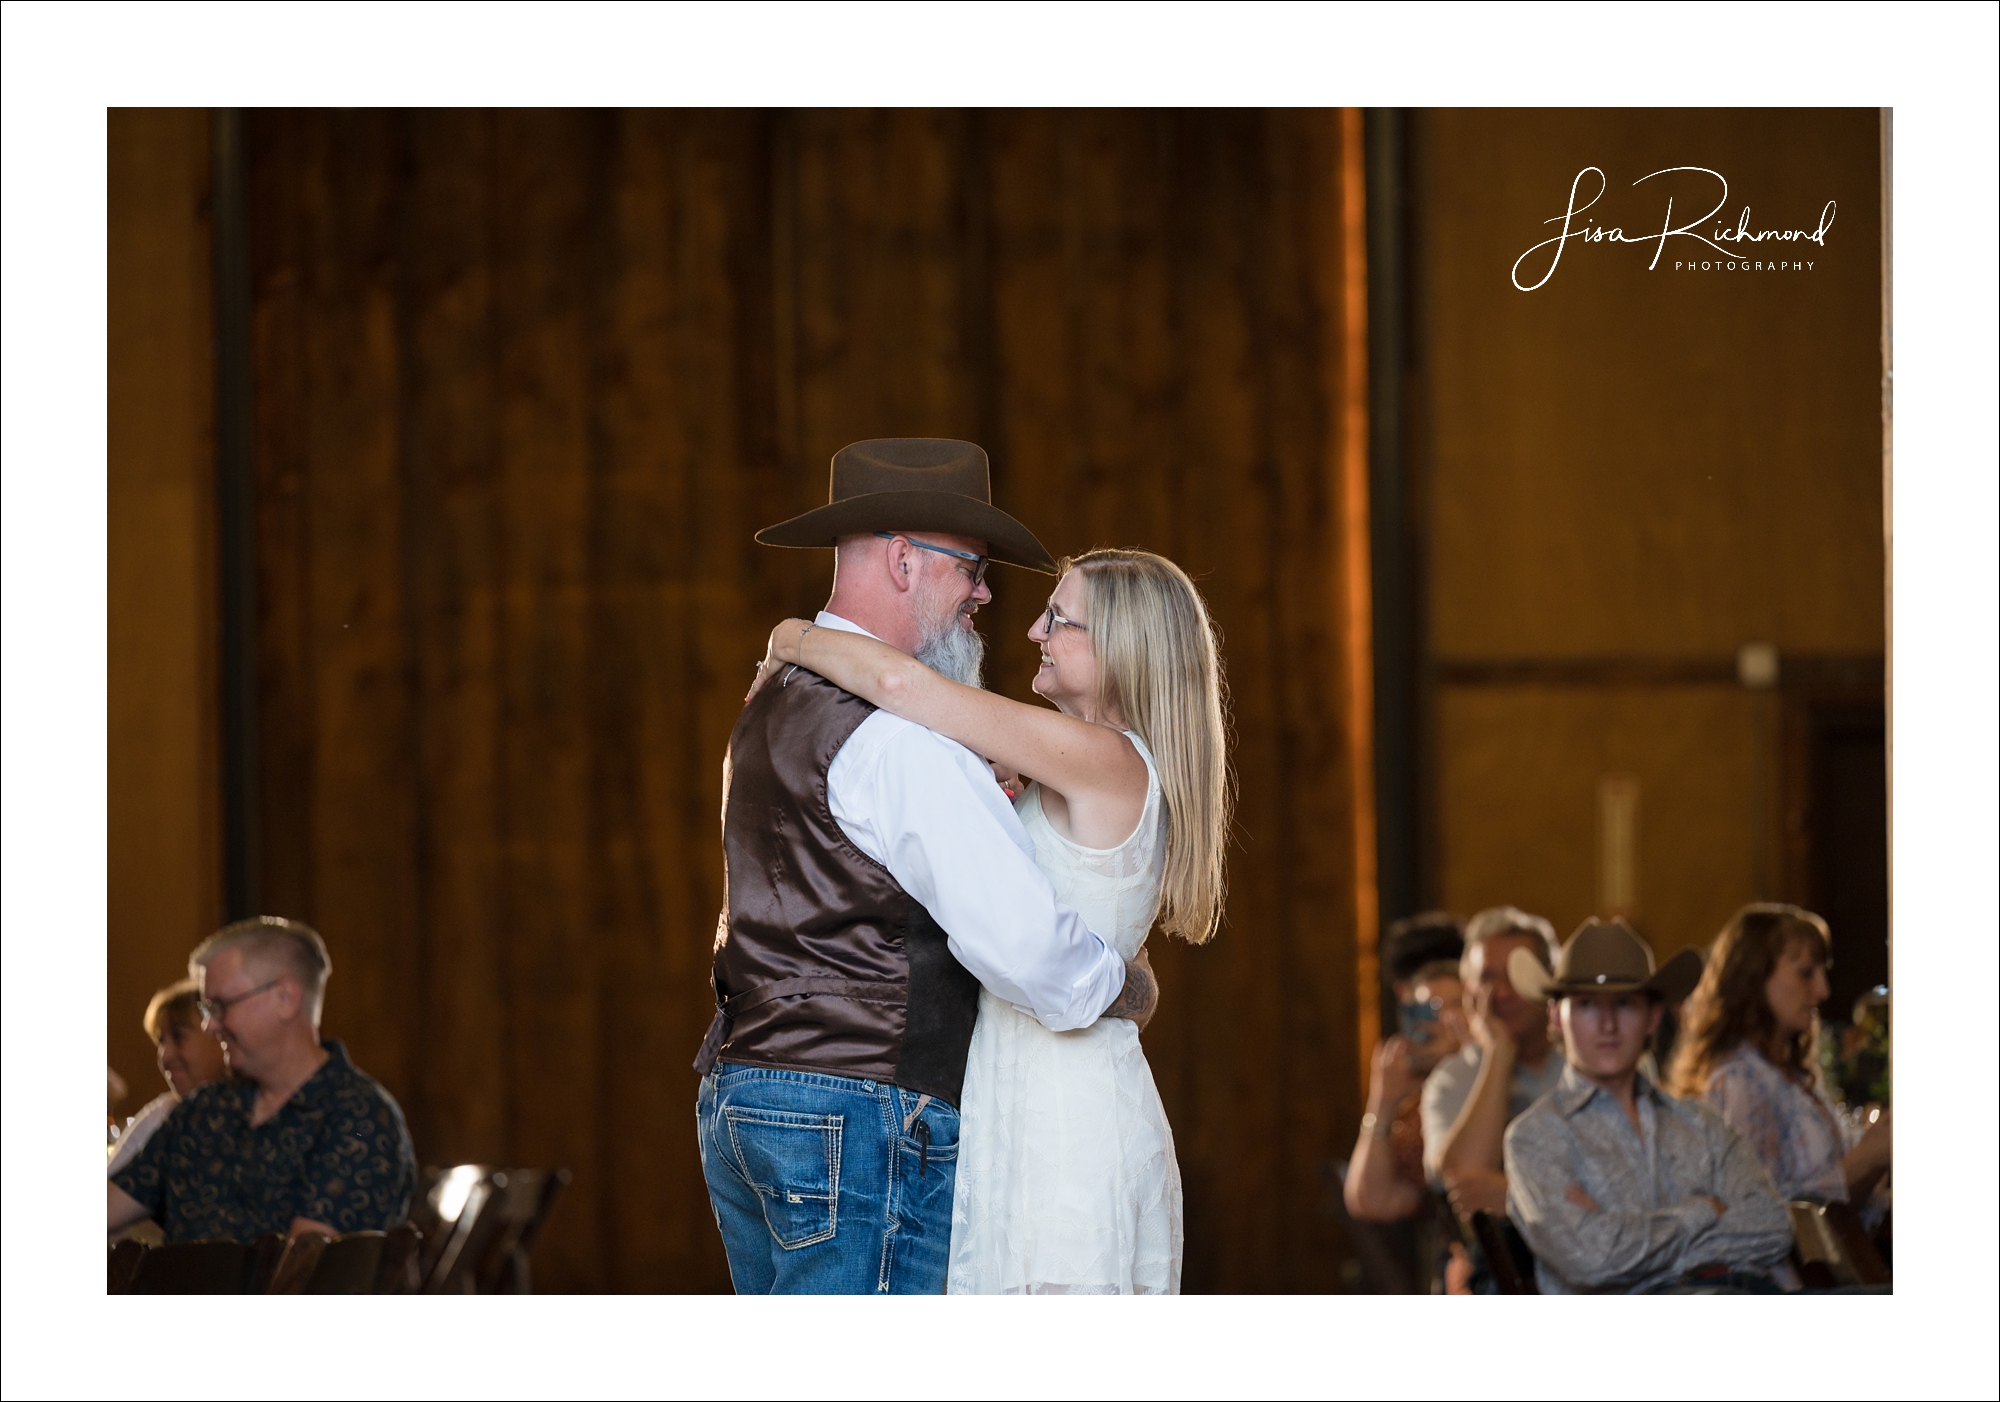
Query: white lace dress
(1066, 1176)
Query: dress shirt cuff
(1089, 997)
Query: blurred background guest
(1616, 1187)
(1750, 1049)
(1383, 1193)
(298, 1139)
(189, 1057)
(1412, 946)
(1505, 1065)
(1385, 1177)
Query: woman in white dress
(1066, 1176)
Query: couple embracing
(924, 1071)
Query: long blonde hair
(1159, 663)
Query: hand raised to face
(1489, 1027)
(1393, 1074)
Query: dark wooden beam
(236, 517)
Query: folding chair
(1507, 1254)
(1830, 1247)
(205, 1267)
(354, 1263)
(125, 1258)
(483, 1224)
(529, 1196)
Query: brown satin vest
(822, 961)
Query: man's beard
(946, 647)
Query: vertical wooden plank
(337, 815)
(1228, 424)
(1349, 310)
(539, 244)
(363, 815)
(451, 546)
(1033, 363)
(163, 831)
(639, 526)
(1320, 836)
(288, 157)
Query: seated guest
(189, 1057)
(1415, 944)
(1617, 1187)
(1750, 1049)
(1385, 1177)
(1504, 1068)
(297, 1139)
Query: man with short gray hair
(1508, 1064)
(296, 1138)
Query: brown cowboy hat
(1606, 956)
(913, 484)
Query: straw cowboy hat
(1606, 956)
(913, 484)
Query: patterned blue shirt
(1651, 1222)
(336, 1152)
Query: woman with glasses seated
(1067, 1182)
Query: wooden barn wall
(526, 384)
(164, 854)
(1626, 476)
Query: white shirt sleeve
(929, 810)
(139, 1129)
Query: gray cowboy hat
(1606, 956)
(913, 484)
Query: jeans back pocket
(793, 1161)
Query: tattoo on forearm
(1135, 999)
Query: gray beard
(952, 651)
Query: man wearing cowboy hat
(875, 878)
(1616, 1186)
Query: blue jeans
(827, 1185)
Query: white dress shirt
(929, 810)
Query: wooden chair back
(125, 1257)
(355, 1263)
(1830, 1247)
(480, 1224)
(204, 1267)
(449, 1214)
(1507, 1255)
(529, 1195)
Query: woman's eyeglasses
(1051, 616)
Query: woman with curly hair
(1748, 1047)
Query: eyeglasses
(212, 1009)
(1051, 616)
(978, 562)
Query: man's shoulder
(1542, 1123)
(354, 1090)
(888, 741)
(1543, 1078)
(226, 1096)
(1461, 1068)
